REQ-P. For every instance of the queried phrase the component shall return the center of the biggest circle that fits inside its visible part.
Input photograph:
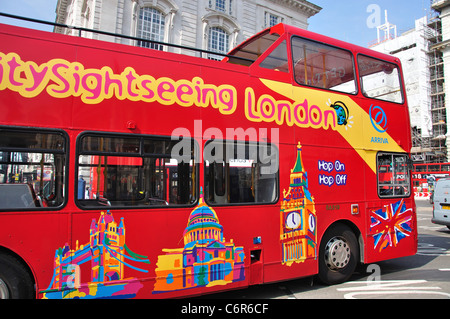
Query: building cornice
(61, 11)
(302, 6)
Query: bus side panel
(338, 184)
(155, 110)
(125, 267)
(391, 229)
(391, 225)
(27, 233)
(28, 75)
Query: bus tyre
(15, 280)
(338, 255)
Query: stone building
(215, 25)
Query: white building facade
(215, 25)
(425, 55)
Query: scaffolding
(438, 141)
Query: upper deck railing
(128, 37)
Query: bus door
(391, 219)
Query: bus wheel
(15, 280)
(338, 255)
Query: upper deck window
(253, 49)
(277, 60)
(323, 66)
(380, 79)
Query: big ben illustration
(298, 233)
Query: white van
(441, 208)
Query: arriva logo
(378, 117)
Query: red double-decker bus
(425, 175)
(131, 172)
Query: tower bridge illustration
(108, 256)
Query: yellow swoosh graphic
(359, 134)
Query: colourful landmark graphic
(298, 233)
(206, 259)
(390, 225)
(106, 252)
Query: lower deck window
(240, 173)
(122, 171)
(32, 169)
(393, 175)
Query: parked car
(441, 207)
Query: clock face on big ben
(312, 223)
(293, 220)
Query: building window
(272, 19)
(224, 6)
(218, 41)
(151, 26)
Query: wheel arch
(23, 263)
(355, 229)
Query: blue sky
(37, 9)
(345, 19)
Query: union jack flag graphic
(390, 225)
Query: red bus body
(426, 175)
(326, 169)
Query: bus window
(277, 60)
(252, 49)
(380, 79)
(420, 168)
(323, 66)
(32, 169)
(124, 171)
(240, 173)
(393, 175)
(434, 168)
